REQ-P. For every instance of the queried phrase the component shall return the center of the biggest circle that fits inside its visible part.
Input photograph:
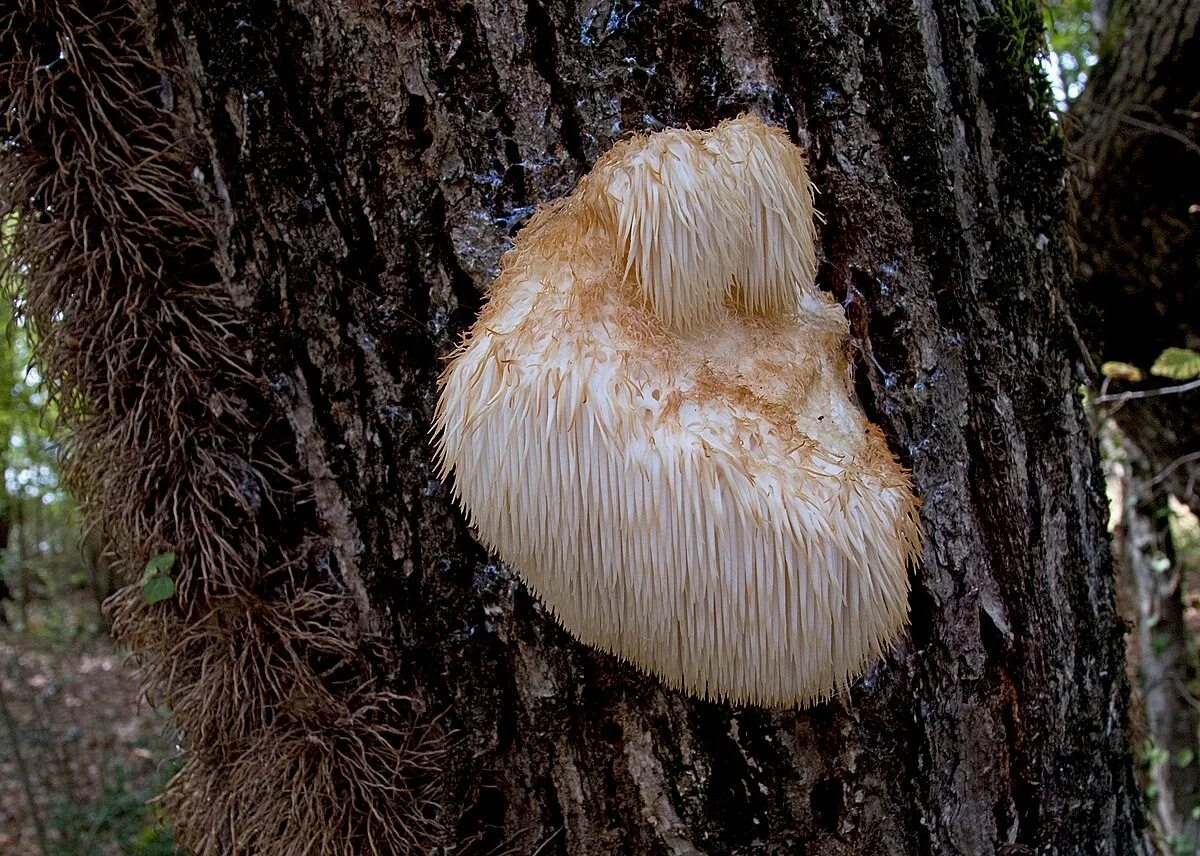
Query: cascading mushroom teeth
(652, 420)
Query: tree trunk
(365, 166)
(1135, 135)
(1163, 651)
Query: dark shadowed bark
(365, 166)
(1135, 137)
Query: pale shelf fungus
(652, 420)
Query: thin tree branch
(1174, 465)
(1147, 393)
(1165, 130)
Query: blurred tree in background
(1125, 75)
(79, 756)
(45, 562)
(43, 558)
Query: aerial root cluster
(172, 443)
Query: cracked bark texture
(368, 163)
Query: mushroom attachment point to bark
(652, 420)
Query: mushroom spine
(652, 420)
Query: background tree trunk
(1166, 662)
(365, 165)
(1135, 136)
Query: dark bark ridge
(366, 164)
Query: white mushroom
(652, 420)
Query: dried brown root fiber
(653, 421)
(172, 443)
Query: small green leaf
(1121, 371)
(1159, 642)
(158, 589)
(1184, 757)
(1177, 364)
(157, 566)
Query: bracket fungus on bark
(652, 420)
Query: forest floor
(93, 752)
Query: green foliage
(40, 557)
(1180, 364)
(1158, 644)
(1177, 364)
(119, 821)
(157, 583)
(1153, 756)
(1011, 48)
(1017, 33)
(30, 457)
(157, 589)
(160, 564)
(1020, 23)
(1071, 39)
(1121, 371)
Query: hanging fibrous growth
(652, 420)
(175, 446)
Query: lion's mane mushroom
(652, 420)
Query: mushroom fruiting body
(652, 421)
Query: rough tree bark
(365, 165)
